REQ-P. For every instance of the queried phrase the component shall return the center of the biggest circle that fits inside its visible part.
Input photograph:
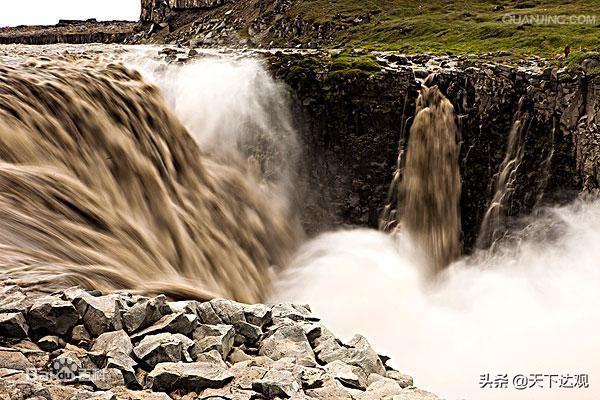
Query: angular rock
(52, 314)
(112, 342)
(294, 312)
(107, 378)
(173, 323)
(213, 337)
(382, 388)
(246, 333)
(14, 359)
(126, 394)
(195, 376)
(258, 314)
(220, 311)
(13, 325)
(350, 376)
(403, 380)
(288, 341)
(163, 347)
(80, 335)
(358, 353)
(276, 383)
(146, 313)
(100, 314)
(13, 299)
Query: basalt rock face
(158, 349)
(353, 120)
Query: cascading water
(101, 186)
(494, 223)
(429, 191)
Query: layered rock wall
(353, 120)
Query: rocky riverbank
(77, 344)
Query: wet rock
(213, 337)
(163, 347)
(195, 376)
(288, 341)
(13, 325)
(275, 383)
(52, 314)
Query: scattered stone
(14, 359)
(350, 376)
(288, 341)
(358, 353)
(213, 337)
(195, 376)
(13, 325)
(53, 314)
(146, 313)
(382, 388)
(403, 380)
(107, 378)
(174, 323)
(100, 314)
(164, 347)
(112, 342)
(246, 333)
(277, 384)
(80, 335)
(13, 299)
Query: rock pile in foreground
(78, 344)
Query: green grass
(456, 27)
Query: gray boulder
(53, 314)
(163, 347)
(288, 341)
(13, 325)
(195, 376)
(213, 337)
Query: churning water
(101, 185)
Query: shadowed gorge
(101, 186)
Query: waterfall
(494, 223)
(102, 186)
(429, 191)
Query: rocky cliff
(356, 110)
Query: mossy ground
(457, 27)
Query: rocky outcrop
(354, 112)
(183, 350)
